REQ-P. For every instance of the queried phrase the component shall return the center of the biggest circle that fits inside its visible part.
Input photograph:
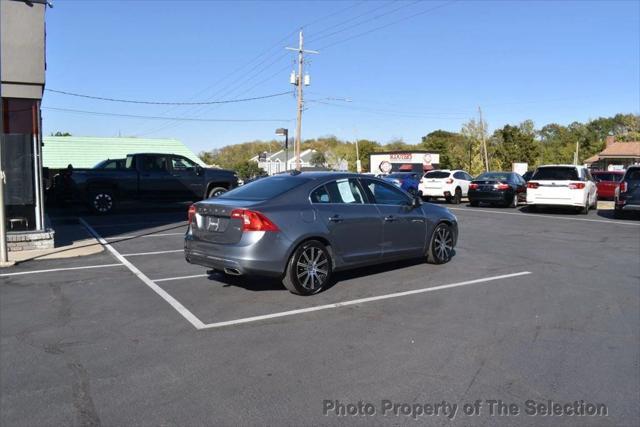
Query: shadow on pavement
(260, 283)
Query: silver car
(302, 227)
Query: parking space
(529, 308)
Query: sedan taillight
(192, 213)
(501, 186)
(253, 221)
(532, 185)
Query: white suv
(453, 185)
(562, 185)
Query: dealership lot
(541, 306)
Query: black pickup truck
(143, 176)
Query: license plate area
(215, 224)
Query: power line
(131, 101)
(373, 18)
(388, 25)
(136, 116)
(236, 83)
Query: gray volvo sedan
(302, 227)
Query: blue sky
(549, 61)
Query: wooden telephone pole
(300, 81)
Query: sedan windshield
(265, 188)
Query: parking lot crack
(82, 401)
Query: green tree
(398, 145)
(58, 133)
(474, 132)
(318, 159)
(452, 147)
(248, 169)
(516, 144)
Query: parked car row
(548, 186)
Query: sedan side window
(320, 195)
(343, 191)
(386, 194)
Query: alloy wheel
(443, 243)
(312, 268)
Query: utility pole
(300, 80)
(484, 142)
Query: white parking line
(542, 216)
(145, 235)
(184, 312)
(51, 270)
(154, 253)
(128, 224)
(360, 301)
(180, 278)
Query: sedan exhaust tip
(232, 272)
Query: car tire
(585, 209)
(310, 262)
(102, 202)
(474, 203)
(514, 202)
(441, 245)
(216, 191)
(457, 196)
(426, 198)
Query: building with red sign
(403, 161)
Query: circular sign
(385, 166)
(426, 159)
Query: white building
(281, 161)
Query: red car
(607, 181)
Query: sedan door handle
(335, 218)
(390, 218)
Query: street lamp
(285, 132)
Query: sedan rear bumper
(260, 253)
(490, 196)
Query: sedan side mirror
(198, 170)
(417, 201)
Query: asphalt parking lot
(542, 306)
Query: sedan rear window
(265, 188)
(559, 173)
(492, 176)
(437, 174)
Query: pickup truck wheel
(216, 191)
(102, 201)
